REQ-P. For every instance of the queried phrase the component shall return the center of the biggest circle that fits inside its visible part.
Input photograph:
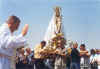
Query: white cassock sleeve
(15, 41)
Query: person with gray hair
(75, 57)
(10, 42)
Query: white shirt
(93, 58)
(98, 58)
(8, 45)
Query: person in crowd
(93, 62)
(49, 62)
(39, 59)
(18, 52)
(84, 57)
(30, 58)
(98, 58)
(75, 57)
(9, 42)
(22, 63)
(60, 59)
(17, 55)
(68, 58)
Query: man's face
(43, 44)
(82, 48)
(75, 45)
(28, 50)
(22, 50)
(14, 26)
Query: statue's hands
(25, 29)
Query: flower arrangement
(58, 39)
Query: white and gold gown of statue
(8, 45)
(55, 29)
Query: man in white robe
(9, 42)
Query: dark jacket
(75, 55)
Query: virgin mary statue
(55, 26)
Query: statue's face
(57, 10)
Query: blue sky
(80, 18)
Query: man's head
(28, 50)
(82, 47)
(97, 51)
(43, 43)
(22, 51)
(75, 45)
(13, 23)
(92, 51)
